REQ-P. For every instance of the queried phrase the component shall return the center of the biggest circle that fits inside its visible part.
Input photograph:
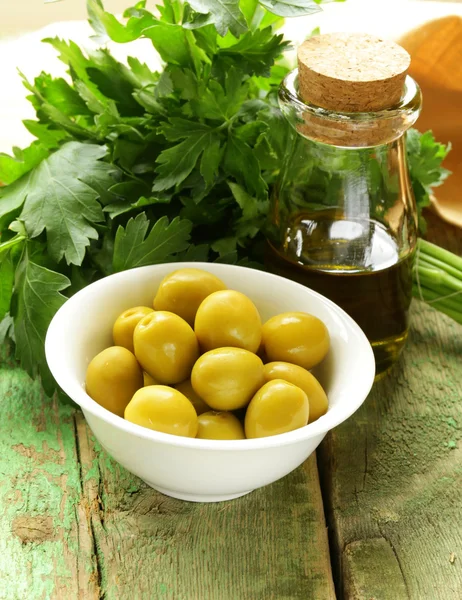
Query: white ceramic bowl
(205, 470)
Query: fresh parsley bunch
(132, 167)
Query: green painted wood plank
(270, 544)
(74, 524)
(46, 544)
(392, 474)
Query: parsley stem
(17, 239)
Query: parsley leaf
(59, 94)
(176, 163)
(255, 52)
(120, 208)
(251, 207)
(59, 196)
(210, 162)
(47, 136)
(12, 167)
(12, 198)
(425, 156)
(226, 15)
(290, 8)
(194, 253)
(242, 164)
(133, 248)
(38, 297)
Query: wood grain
(392, 474)
(46, 541)
(76, 525)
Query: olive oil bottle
(343, 216)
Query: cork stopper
(351, 72)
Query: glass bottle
(343, 215)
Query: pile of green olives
(200, 363)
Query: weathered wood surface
(392, 474)
(75, 525)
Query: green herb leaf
(120, 208)
(179, 129)
(176, 163)
(225, 246)
(142, 72)
(425, 157)
(48, 137)
(106, 24)
(194, 253)
(12, 198)
(134, 249)
(210, 162)
(114, 81)
(255, 52)
(38, 297)
(59, 196)
(251, 207)
(71, 55)
(229, 258)
(78, 63)
(291, 8)
(279, 130)
(242, 164)
(177, 46)
(59, 94)
(12, 167)
(225, 14)
(248, 8)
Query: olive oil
(356, 264)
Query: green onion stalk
(437, 279)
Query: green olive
(122, 332)
(164, 409)
(277, 407)
(187, 389)
(182, 291)
(296, 337)
(227, 378)
(219, 426)
(303, 379)
(149, 379)
(166, 347)
(228, 319)
(113, 376)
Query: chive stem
(437, 279)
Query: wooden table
(75, 525)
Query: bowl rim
(319, 427)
